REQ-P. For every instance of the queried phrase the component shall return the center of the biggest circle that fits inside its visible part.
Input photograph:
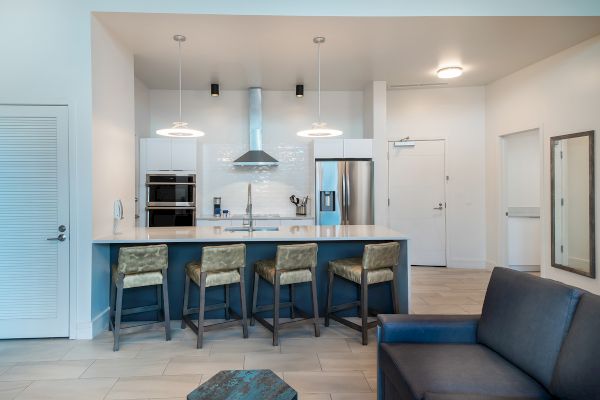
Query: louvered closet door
(34, 203)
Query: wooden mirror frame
(592, 205)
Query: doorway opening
(520, 200)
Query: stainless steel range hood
(256, 156)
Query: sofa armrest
(403, 328)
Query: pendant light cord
(180, 117)
(319, 81)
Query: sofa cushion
(463, 396)
(525, 319)
(577, 373)
(415, 369)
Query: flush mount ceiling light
(319, 129)
(179, 129)
(449, 72)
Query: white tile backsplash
(271, 186)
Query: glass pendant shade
(179, 129)
(319, 129)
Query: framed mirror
(573, 204)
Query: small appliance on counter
(216, 206)
(300, 203)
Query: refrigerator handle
(346, 194)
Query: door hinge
(561, 155)
(562, 248)
(562, 201)
(388, 202)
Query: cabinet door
(358, 148)
(183, 154)
(297, 222)
(267, 222)
(329, 148)
(158, 154)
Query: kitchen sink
(256, 229)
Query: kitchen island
(185, 244)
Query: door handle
(60, 238)
(439, 207)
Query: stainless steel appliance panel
(170, 216)
(344, 192)
(169, 190)
(329, 179)
(359, 193)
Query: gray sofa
(535, 339)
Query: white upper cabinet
(358, 148)
(183, 153)
(343, 148)
(168, 154)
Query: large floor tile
(46, 370)
(264, 345)
(283, 362)
(202, 365)
(314, 396)
(155, 387)
(90, 349)
(72, 389)
(165, 350)
(10, 390)
(125, 367)
(348, 361)
(353, 396)
(314, 345)
(327, 382)
(34, 350)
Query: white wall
(225, 121)
(559, 95)
(113, 125)
(458, 116)
(142, 121)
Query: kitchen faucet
(249, 209)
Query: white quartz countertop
(239, 217)
(284, 234)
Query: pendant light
(319, 129)
(179, 129)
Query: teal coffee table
(261, 384)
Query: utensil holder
(300, 209)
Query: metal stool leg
(254, 298)
(276, 297)
(292, 296)
(118, 309)
(243, 304)
(364, 306)
(201, 301)
(159, 312)
(314, 302)
(395, 293)
(329, 297)
(113, 299)
(166, 310)
(186, 295)
(227, 316)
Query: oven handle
(170, 183)
(170, 208)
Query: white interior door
(34, 203)
(417, 203)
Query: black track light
(214, 89)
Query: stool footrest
(351, 324)
(137, 310)
(270, 307)
(236, 320)
(345, 306)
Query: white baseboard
(525, 268)
(100, 323)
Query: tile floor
(333, 367)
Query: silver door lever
(60, 238)
(439, 208)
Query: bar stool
(220, 266)
(139, 266)
(378, 264)
(293, 264)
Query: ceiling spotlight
(214, 89)
(299, 90)
(449, 72)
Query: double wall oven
(170, 200)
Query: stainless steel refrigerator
(344, 192)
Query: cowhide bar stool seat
(136, 267)
(378, 264)
(293, 264)
(220, 266)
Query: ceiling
(278, 52)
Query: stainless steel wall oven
(170, 200)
